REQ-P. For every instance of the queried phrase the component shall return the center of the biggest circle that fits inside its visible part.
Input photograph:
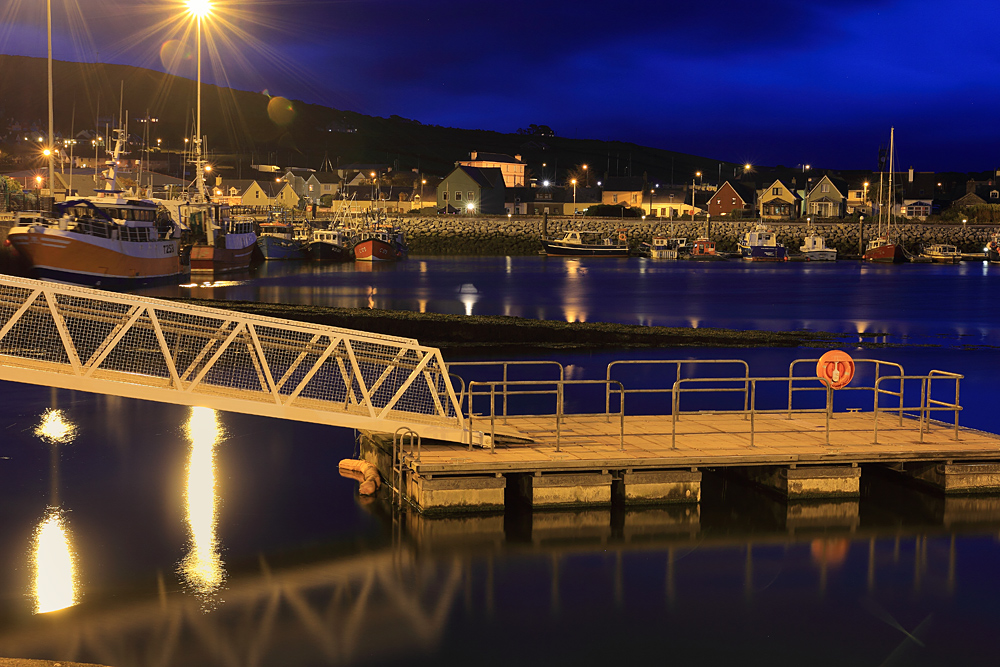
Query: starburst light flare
(199, 8)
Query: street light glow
(199, 8)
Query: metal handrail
(792, 378)
(560, 387)
(505, 365)
(927, 405)
(679, 364)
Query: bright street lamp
(574, 195)
(586, 175)
(199, 9)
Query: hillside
(237, 123)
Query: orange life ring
(621, 236)
(835, 369)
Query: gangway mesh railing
(176, 352)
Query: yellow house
(779, 202)
(622, 190)
(240, 192)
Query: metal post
(829, 412)
(559, 410)
(753, 407)
(493, 397)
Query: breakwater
(519, 235)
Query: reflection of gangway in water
(89, 340)
(337, 611)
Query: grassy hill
(239, 127)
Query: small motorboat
(814, 249)
(942, 253)
(586, 243)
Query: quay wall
(498, 235)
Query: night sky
(770, 82)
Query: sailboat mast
(892, 167)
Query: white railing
(91, 340)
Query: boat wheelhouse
(664, 247)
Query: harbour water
(187, 537)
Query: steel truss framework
(139, 347)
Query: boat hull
(993, 255)
(556, 249)
(890, 253)
(759, 253)
(273, 247)
(375, 250)
(78, 258)
(213, 259)
(820, 255)
(319, 251)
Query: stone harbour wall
(519, 235)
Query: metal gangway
(174, 352)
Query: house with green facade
(472, 190)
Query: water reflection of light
(468, 295)
(573, 315)
(54, 428)
(216, 283)
(202, 568)
(423, 267)
(510, 265)
(694, 323)
(422, 304)
(56, 586)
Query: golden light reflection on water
(55, 428)
(202, 567)
(56, 585)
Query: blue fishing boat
(760, 244)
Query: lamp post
(586, 175)
(574, 195)
(652, 194)
(692, 199)
(199, 9)
(48, 9)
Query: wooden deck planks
(592, 442)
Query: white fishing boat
(814, 249)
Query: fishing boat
(277, 241)
(814, 249)
(222, 244)
(329, 245)
(108, 240)
(380, 243)
(760, 244)
(992, 249)
(586, 243)
(885, 248)
(942, 253)
(703, 250)
(664, 247)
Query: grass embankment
(479, 333)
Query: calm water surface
(169, 536)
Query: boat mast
(892, 193)
(52, 145)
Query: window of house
(825, 187)
(776, 191)
(458, 195)
(718, 201)
(614, 199)
(444, 196)
(734, 201)
(471, 196)
(256, 194)
(994, 194)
